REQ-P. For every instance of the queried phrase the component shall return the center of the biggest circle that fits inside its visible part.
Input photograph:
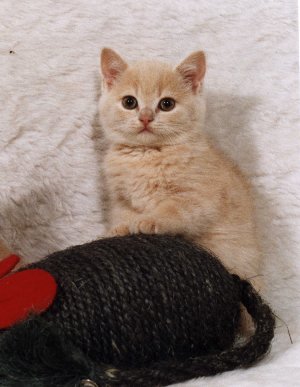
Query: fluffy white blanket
(50, 142)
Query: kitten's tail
(38, 357)
(168, 372)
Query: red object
(23, 293)
(8, 264)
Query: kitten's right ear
(112, 66)
(193, 69)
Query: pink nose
(146, 115)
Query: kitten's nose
(146, 115)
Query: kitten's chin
(151, 137)
(145, 138)
(141, 136)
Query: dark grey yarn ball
(138, 310)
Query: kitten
(162, 173)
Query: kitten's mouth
(145, 129)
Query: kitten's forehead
(151, 78)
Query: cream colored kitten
(163, 175)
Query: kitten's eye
(166, 104)
(129, 102)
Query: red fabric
(7, 264)
(24, 293)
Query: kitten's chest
(142, 178)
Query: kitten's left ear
(192, 69)
(112, 66)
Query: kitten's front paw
(146, 226)
(120, 230)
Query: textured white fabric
(50, 140)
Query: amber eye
(166, 104)
(129, 102)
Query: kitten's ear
(192, 69)
(112, 66)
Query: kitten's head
(151, 103)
